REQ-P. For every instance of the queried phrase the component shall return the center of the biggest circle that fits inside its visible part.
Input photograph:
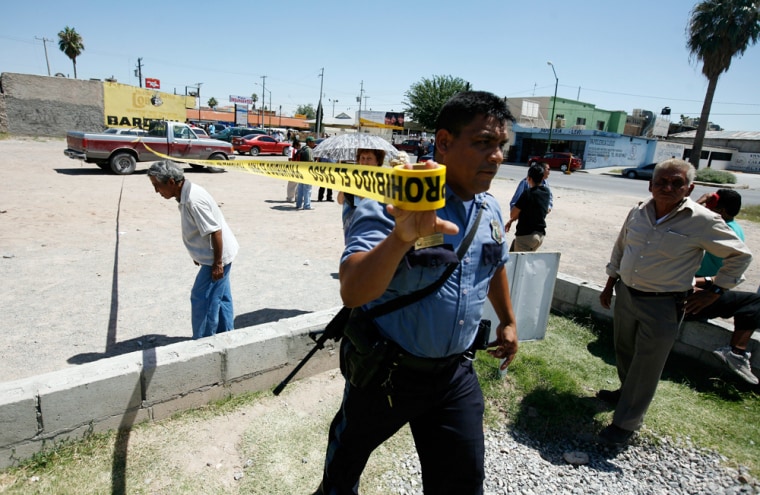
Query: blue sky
(616, 55)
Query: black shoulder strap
(407, 299)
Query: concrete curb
(118, 392)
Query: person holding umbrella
(427, 379)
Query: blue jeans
(211, 303)
(303, 196)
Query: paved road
(598, 180)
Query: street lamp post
(554, 103)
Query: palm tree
(212, 103)
(70, 43)
(255, 98)
(718, 31)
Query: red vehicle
(558, 160)
(260, 144)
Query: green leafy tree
(212, 103)
(425, 98)
(719, 30)
(70, 42)
(307, 110)
(255, 98)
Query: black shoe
(330, 200)
(609, 396)
(615, 436)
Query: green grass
(548, 394)
(751, 213)
(553, 383)
(715, 176)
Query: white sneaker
(738, 364)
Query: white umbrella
(343, 147)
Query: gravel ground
(517, 464)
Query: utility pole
(263, 98)
(138, 71)
(320, 111)
(44, 44)
(359, 100)
(199, 102)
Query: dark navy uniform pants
(444, 412)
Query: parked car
(411, 146)
(260, 144)
(640, 172)
(230, 132)
(200, 132)
(558, 160)
(425, 157)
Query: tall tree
(307, 110)
(255, 98)
(718, 31)
(70, 42)
(212, 103)
(425, 98)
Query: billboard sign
(241, 99)
(130, 106)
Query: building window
(599, 125)
(580, 121)
(724, 157)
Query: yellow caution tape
(417, 189)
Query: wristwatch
(717, 290)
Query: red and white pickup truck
(121, 152)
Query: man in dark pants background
(433, 388)
(743, 307)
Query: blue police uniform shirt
(444, 323)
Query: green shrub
(715, 176)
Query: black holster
(365, 353)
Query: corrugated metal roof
(745, 135)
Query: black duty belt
(641, 293)
(432, 366)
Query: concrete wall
(49, 106)
(153, 384)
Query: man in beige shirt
(652, 271)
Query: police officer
(432, 386)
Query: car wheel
(216, 170)
(123, 163)
(254, 151)
(631, 174)
(563, 167)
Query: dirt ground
(93, 263)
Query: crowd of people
(417, 282)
